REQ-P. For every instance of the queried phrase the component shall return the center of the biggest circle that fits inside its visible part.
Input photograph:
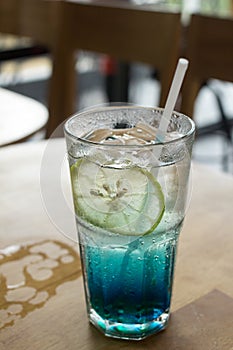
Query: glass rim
(125, 106)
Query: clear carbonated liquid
(128, 280)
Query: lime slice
(125, 201)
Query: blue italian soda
(128, 287)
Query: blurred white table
(20, 117)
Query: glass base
(126, 331)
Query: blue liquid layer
(128, 287)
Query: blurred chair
(123, 31)
(210, 52)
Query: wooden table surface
(41, 292)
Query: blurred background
(26, 68)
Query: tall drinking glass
(129, 192)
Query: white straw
(172, 98)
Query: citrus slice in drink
(126, 201)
